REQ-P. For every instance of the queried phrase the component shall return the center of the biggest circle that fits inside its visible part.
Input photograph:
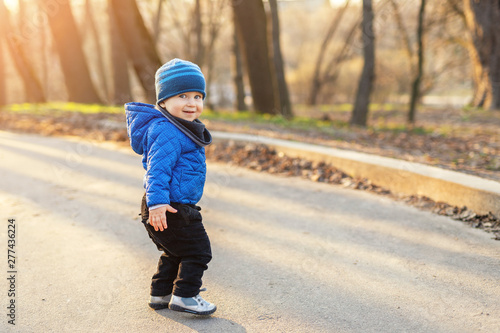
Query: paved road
(289, 255)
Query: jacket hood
(139, 117)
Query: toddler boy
(171, 140)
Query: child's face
(187, 106)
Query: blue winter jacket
(175, 165)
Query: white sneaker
(196, 305)
(159, 302)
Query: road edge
(399, 176)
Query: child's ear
(162, 104)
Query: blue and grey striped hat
(176, 77)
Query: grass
(61, 107)
(323, 118)
(310, 123)
(298, 122)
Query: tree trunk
(209, 65)
(238, 75)
(138, 43)
(251, 27)
(69, 47)
(361, 107)
(120, 92)
(3, 79)
(44, 46)
(495, 59)
(157, 24)
(415, 91)
(213, 26)
(199, 57)
(284, 96)
(14, 44)
(482, 19)
(90, 22)
(3, 90)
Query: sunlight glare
(12, 5)
(337, 3)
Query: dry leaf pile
(262, 158)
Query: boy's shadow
(202, 323)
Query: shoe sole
(158, 306)
(181, 309)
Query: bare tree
(206, 42)
(284, 96)
(361, 107)
(251, 27)
(45, 48)
(13, 41)
(439, 40)
(121, 89)
(157, 21)
(467, 41)
(240, 104)
(3, 90)
(181, 28)
(69, 47)
(102, 74)
(198, 33)
(318, 80)
(482, 19)
(193, 45)
(405, 36)
(415, 91)
(139, 44)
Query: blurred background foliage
(291, 58)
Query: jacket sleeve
(164, 150)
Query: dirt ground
(463, 141)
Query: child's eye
(198, 97)
(182, 96)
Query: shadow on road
(201, 323)
(289, 255)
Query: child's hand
(158, 217)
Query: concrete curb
(480, 195)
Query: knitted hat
(176, 77)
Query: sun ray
(12, 5)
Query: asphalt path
(290, 255)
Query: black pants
(186, 251)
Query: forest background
(372, 64)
